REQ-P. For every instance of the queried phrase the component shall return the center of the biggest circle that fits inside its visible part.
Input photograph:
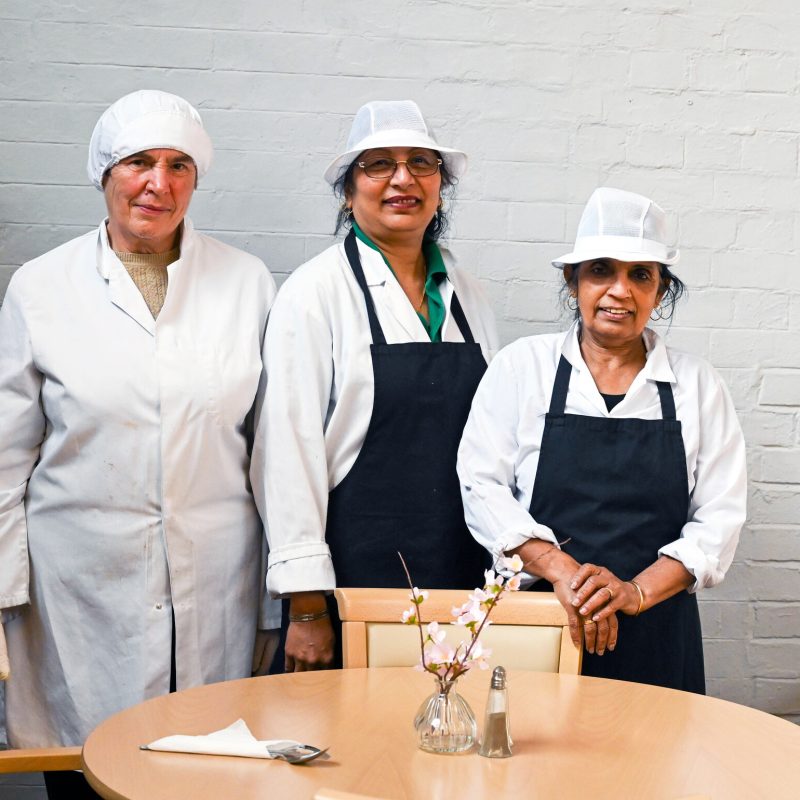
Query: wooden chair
(529, 629)
(337, 794)
(38, 759)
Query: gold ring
(588, 622)
(610, 593)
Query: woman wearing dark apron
(374, 351)
(613, 465)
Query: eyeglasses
(419, 165)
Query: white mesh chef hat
(145, 120)
(391, 123)
(621, 225)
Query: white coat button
(159, 606)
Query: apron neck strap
(667, 400)
(558, 400)
(351, 249)
(460, 319)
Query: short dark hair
(669, 283)
(436, 227)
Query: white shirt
(499, 452)
(123, 480)
(319, 396)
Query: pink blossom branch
(417, 614)
(456, 667)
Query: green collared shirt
(436, 273)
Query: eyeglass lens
(418, 164)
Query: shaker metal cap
(499, 678)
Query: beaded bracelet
(309, 617)
(641, 597)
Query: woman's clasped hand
(599, 594)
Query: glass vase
(445, 722)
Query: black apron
(403, 493)
(617, 489)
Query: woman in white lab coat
(130, 545)
(614, 465)
(374, 350)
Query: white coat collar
(122, 291)
(656, 368)
(387, 292)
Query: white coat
(320, 392)
(123, 481)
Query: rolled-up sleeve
(22, 426)
(289, 465)
(717, 507)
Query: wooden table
(574, 737)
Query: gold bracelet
(641, 597)
(309, 617)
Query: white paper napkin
(235, 740)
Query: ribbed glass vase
(445, 723)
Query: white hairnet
(145, 120)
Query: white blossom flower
(479, 596)
(417, 596)
(439, 653)
(438, 656)
(434, 634)
(469, 613)
(492, 580)
(513, 564)
(479, 657)
(410, 616)
(514, 582)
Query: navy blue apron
(617, 489)
(403, 493)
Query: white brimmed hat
(146, 120)
(391, 123)
(621, 225)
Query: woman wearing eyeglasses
(374, 350)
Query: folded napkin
(235, 740)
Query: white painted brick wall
(695, 104)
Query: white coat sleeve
(22, 426)
(487, 458)
(717, 507)
(290, 470)
(269, 609)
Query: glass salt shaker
(496, 742)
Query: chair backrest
(40, 759)
(529, 630)
(336, 794)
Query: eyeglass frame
(363, 165)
